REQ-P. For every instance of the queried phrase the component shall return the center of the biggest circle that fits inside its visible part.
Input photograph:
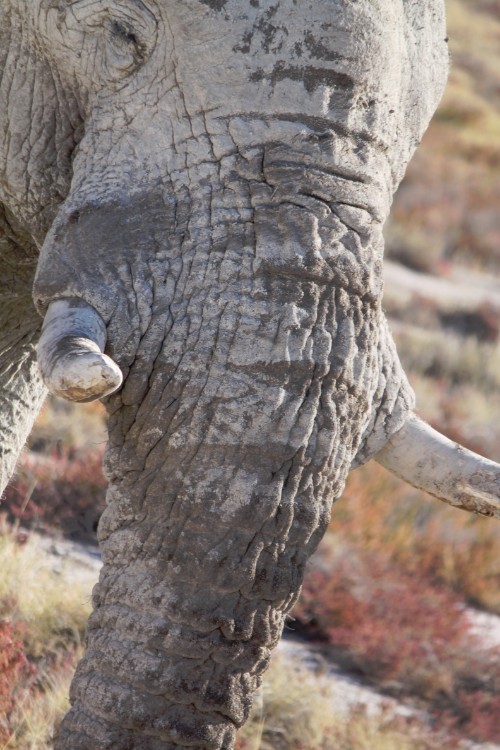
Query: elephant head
(207, 181)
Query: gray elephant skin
(197, 188)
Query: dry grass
(62, 424)
(48, 609)
(457, 382)
(447, 207)
(38, 718)
(473, 87)
(451, 358)
(54, 612)
(417, 535)
(294, 712)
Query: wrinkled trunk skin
(222, 479)
(225, 220)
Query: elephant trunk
(227, 449)
(248, 395)
(204, 549)
(70, 352)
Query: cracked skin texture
(213, 178)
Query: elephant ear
(399, 440)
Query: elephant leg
(21, 389)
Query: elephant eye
(114, 37)
(124, 34)
(127, 50)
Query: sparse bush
(65, 491)
(482, 323)
(294, 711)
(390, 627)
(474, 713)
(400, 630)
(43, 612)
(16, 674)
(452, 358)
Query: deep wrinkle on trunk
(224, 220)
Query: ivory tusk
(426, 459)
(70, 352)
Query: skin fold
(206, 182)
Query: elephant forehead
(323, 43)
(322, 30)
(370, 68)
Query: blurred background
(395, 642)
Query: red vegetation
(411, 533)
(388, 595)
(394, 628)
(65, 491)
(16, 674)
(479, 715)
(407, 634)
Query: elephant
(192, 197)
